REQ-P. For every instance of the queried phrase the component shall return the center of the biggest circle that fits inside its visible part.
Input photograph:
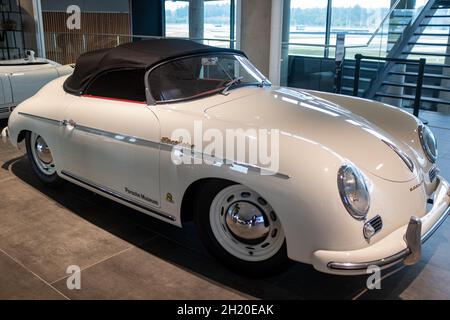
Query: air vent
(433, 173)
(372, 227)
(376, 223)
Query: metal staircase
(424, 35)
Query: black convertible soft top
(136, 55)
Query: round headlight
(353, 191)
(428, 142)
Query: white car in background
(21, 79)
(351, 190)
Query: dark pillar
(196, 19)
(256, 17)
(148, 17)
(284, 39)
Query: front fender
(402, 125)
(395, 121)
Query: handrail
(420, 75)
(140, 36)
(380, 26)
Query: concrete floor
(127, 255)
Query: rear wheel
(41, 159)
(241, 229)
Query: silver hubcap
(42, 155)
(42, 151)
(245, 224)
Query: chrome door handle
(68, 123)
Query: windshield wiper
(231, 83)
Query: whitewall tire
(41, 159)
(240, 228)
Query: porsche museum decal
(140, 196)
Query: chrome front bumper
(405, 244)
(408, 256)
(5, 135)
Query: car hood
(302, 116)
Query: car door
(112, 144)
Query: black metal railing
(420, 75)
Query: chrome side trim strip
(218, 162)
(260, 171)
(160, 145)
(119, 137)
(39, 117)
(169, 147)
(389, 261)
(117, 195)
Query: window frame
(97, 76)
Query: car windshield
(197, 76)
(23, 62)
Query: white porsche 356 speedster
(355, 184)
(21, 79)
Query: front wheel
(41, 159)
(240, 228)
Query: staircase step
(413, 85)
(399, 24)
(434, 54)
(432, 34)
(362, 68)
(438, 16)
(395, 32)
(414, 62)
(360, 79)
(426, 75)
(402, 13)
(410, 97)
(434, 25)
(350, 89)
(437, 65)
(429, 44)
